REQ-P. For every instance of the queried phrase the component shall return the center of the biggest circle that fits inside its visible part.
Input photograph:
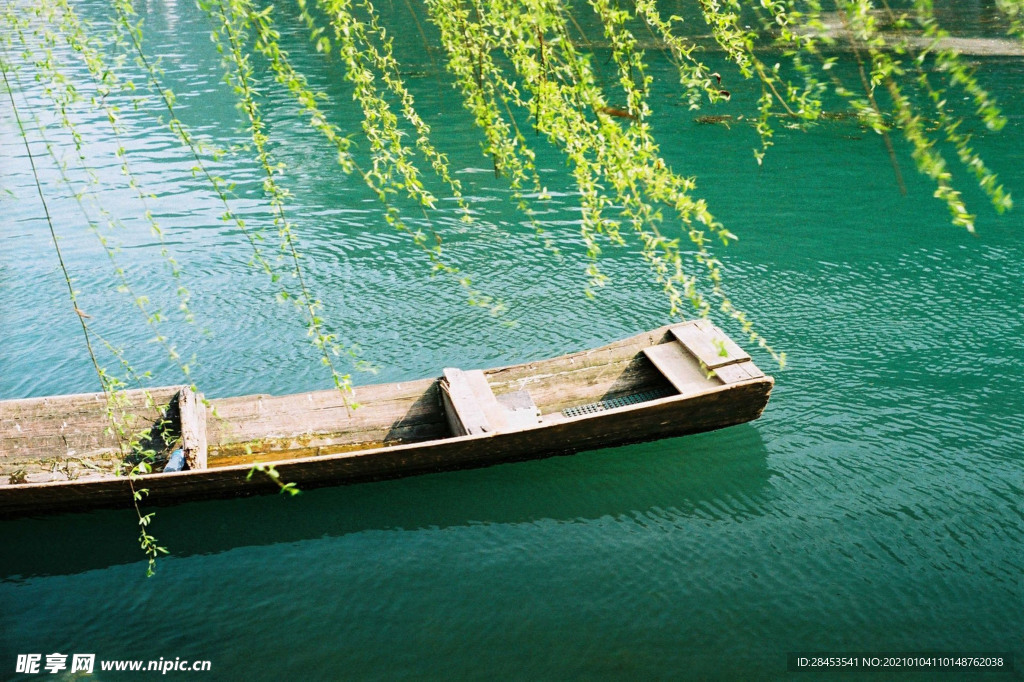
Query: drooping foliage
(531, 65)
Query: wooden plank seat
(709, 344)
(520, 410)
(471, 407)
(701, 357)
(680, 368)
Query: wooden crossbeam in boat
(741, 371)
(709, 344)
(680, 368)
(469, 403)
(520, 410)
(192, 412)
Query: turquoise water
(878, 505)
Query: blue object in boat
(176, 462)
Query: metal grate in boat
(602, 405)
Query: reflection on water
(695, 477)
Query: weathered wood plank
(192, 413)
(323, 416)
(753, 370)
(680, 368)
(741, 371)
(553, 392)
(730, 374)
(618, 354)
(464, 414)
(494, 411)
(55, 406)
(73, 436)
(471, 402)
(709, 344)
(325, 444)
(520, 410)
(328, 442)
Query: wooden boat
(64, 454)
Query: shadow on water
(723, 473)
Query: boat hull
(591, 399)
(663, 418)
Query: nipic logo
(55, 662)
(85, 663)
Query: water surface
(877, 505)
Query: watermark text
(56, 662)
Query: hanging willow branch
(535, 64)
(230, 37)
(64, 96)
(110, 386)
